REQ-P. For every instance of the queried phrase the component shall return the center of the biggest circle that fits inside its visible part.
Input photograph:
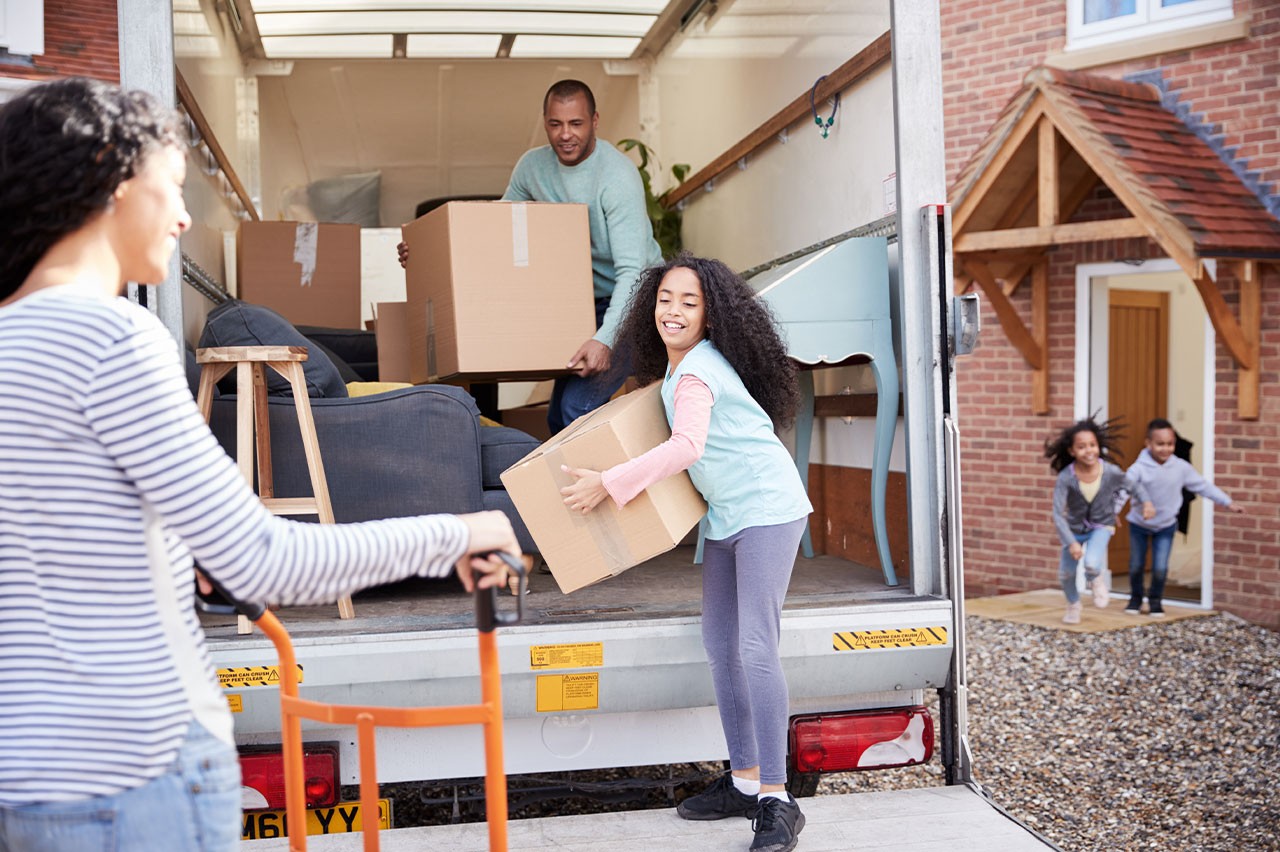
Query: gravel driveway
(1165, 736)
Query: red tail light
(263, 771)
(863, 739)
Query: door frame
(1092, 341)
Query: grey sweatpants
(744, 581)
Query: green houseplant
(666, 222)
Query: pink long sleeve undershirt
(688, 439)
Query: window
(1095, 22)
(22, 26)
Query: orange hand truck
(487, 713)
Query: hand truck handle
(229, 605)
(487, 614)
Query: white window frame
(22, 27)
(1150, 18)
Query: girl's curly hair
(741, 326)
(1108, 433)
(65, 146)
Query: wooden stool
(253, 429)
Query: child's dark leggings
(744, 581)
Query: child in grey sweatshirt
(1086, 496)
(1163, 475)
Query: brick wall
(81, 38)
(988, 46)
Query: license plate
(340, 819)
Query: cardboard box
(307, 272)
(498, 289)
(585, 549)
(391, 330)
(530, 419)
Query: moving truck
(804, 122)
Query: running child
(1089, 491)
(1164, 475)
(726, 382)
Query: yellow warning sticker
(245, 676)
(236, 702)
(583, 655)
(906, 637)
(568, 692)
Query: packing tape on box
(519, 234)
(305, 237)
(602, 524)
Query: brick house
(1137, 271)
(80, 37)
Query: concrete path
(933, 819)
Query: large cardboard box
(391, 330)
(585, 549)
(307, 272)
(498, 289)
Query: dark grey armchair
(412, 451)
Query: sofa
(412, 450)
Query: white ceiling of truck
(595, 29)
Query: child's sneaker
(777, 825)
(1072, 615)
(1133, 610)
(1101, 595)
(718, 801)
(1155, 609)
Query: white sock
(780, 795)
(746, 786)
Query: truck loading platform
(934, 819)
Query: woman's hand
(489, 531)
(1075, 550)
(587, 490)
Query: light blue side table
(833, 306)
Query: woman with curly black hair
(114, 733)
(726, 382)
(1087, 494)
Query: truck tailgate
(931, 819)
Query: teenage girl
(726, 383)
(1086, 496)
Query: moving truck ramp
(933, 819)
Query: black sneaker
(718, 801)
(777, 825)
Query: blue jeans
(193, 807)
(574, 396)
(1095, 555)
(1161, 543)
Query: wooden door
(1137, 387)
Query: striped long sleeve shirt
(110, 484)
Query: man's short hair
(566, 89)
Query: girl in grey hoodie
(1089, 491)
(1163, 475)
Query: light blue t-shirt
(622, 242)
(745, 474)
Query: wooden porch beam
(1073, 232)
(1047, 174)
(1017, 333)
(1247, 386)
(993, 170)
(1224, 321)
(1040, 333)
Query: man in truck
(576, 167)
